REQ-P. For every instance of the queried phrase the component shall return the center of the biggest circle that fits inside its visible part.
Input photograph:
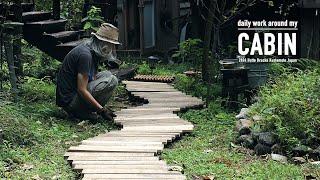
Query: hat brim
(105, 39)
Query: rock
(317, 163)
(246, 141)
(175, 168)
(315, 154)
(243, 113)
(299, 160)
(261, 149)
(279, 158)
(267, 138)
(276, 148)
(243, 126)
(207, 151)
(256, 118)
(301, 150)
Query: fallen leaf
(211, 177)
(36, 177)
(27, 167)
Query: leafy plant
(290, 108)
(144, 68)
(190, 51)
(93, 20)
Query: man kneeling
(81, 91)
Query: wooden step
(63, 36)
(26, 7)
(48, 26)
(33, 16)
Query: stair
(35, 16)
(63, 36)
(47, 34)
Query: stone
(243, 113)
(267, 138)
(243, 126)
(261, 149)
(317, 163)
(315, 154)
(246, 141)
(175, 168)
(276, 148)
(279, 158)
(299, 160)
(301, 150)
(256, 118)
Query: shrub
(190, 51)
(290, 108)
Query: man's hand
(106, 113)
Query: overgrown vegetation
(290, 108)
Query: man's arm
(82, 83)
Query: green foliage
(208, 151)
(196, 87)
(190, 51)
(37, 133)
(38, 64)
(144, 68)
(290, 108)
(93, 20)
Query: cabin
(146, 26)
(310, 28)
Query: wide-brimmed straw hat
(109, 33)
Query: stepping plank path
(131, 153)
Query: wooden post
(56, 9)
(125, 9)
(141, 7)
(17, 40)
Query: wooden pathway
(131, 153)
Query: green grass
(208, 151)
(37, 134)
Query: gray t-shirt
(78, 60)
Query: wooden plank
(126, 124)
(108, 158)
(132, 139)
(127, 170)
(148, 117)
(134, 176)
(115, 148)
(158, 145)
(151, 90)
(137, 135)
(118, 162)
(93, 166)
(114, 154)
(132, 133)
(184, 128)
(120, 143)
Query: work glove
(106, 114)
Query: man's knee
(114, 81)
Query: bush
(290, 108)
(190, 51)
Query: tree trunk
(206, 62)
(10, 60)
(215, 50)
